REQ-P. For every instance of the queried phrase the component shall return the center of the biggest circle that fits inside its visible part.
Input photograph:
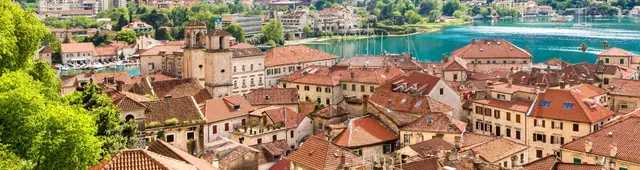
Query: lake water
(545, 39)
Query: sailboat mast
(381, 43)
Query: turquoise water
(545, 39)
(133, 70)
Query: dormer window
(236, 107)
(567, 105)
(545, 103)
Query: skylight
(403, 100)
(418, 103)
(545, 103)
(567, 105)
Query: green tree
(413, 17)
(459, 14)
(236, 31)
(583, 48)
(271, 43)
(127, 36)
(605, 45)
(485, 12)
(80, 22)
(427, 5)
(21, 34)
(308, 31)
(162, 34)
(450, 6)
(116, 14)
(155, 19)
(12, 161)
(179, 15)
(53, 22)
(274, 31)
(434, 15)
(121, 23)
(177, 32)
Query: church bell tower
(217, 63)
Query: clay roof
(455, 64)
(77, 47)
(270, 149)
(293, 55)
(243, 45)
(403, 62)
(498, 149)
(124, 100)
(105, 51)
(545, 163)
(425, 164)
(503, 69)
(587, 90)
(510, 89)
(572, 166)
(316, 75)
(556, 62)
(317, 153)
(491, 48)
(429, 147)
(424, 81)
(101, 77)
(624, 87)
(408, 103)
(284, 115)
(369, 76)
(177, 88)
(330, 112)
(616, 52)
(46, 49)
(537, 78)
(246, 52)
(175, 43)
(568, 105)
(627, 72)
(472, 139)
(273, 96)
(227, 151)
(196, 23)
(165, 149)
(136, 24)
(363, 61)
(622, 133)
(307, 107)
(364, 131)
(436, 122)
(219, 109)
(141, 159)
(182, 108)
(168, 49)
(517, 105)
(282, 164)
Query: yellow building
(501, 151)
(614, 147)
(623, 95)
(503, 114)
(431, 126)
(619, 56)
(177, 121)
(559, 116)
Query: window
(621, 61)
(518, 134)
(606, 80)
(291, 134)
(508, 132)
(190, 135)
(214, 129)
(171, 138)
(545, 103)
(538, 153)
(508, 116)
(344, 86)
(517, 118)
(596, 127)
(357, 152)
(501, 96)
(251, 67)
(567, 105)
(577, 160)
(306, 88)
(226, 127)
(353, 87)
(441, 91)
(318, 89)
(496, 114)
(498, 131)
(504, 164)
(235, 83)
(555, 125)
(621, 168)
(252, 84)
(234, 70)
(242, 68)
(487, 112)
(576, 127)
(407, 139)
(371, 89)
(328, 101)
(244, 122)
(386, 148)
(274, 138)
(259, 80)
(361, 88)
(455, 76)
(259, 140)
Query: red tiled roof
(436, 122)
(307, 107)
(141, 159)
(77, 47)
(269, 150)
(319, 154)
(411, 78)
(290, 118)
(316, 75)
(624, 87)
(178, 88)
(243, 45)
(429, 146)
(175, 43)
(472, 139)
(293, 55)
(105, 51)
(183, 109)
(491, 48)
(587, 90)
(498, 149)
(425, 164)
(272, 96)
(127, 101)
(616, 52)
(370, 76)
(330, 112)
(573, 166)
(46, 49)
(165, 149)
(579, 112)
(556, 62)
(408, 103)
(364, 131)
(517, 105)
(136, 24)
(455, 64)
(168, 49)
(546, 163)
(282, 164)
(222, 108)
(623, 133)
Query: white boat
(97, 66)
(65, 68)
(582, 25)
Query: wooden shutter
(553, 124)
(534, 136)
(562, 140)
(535, 122)
(552, 139)
(542, 123)
(561, 126)
(544, 138)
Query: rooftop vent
(429, 120)
(266, 97)
(610, 134)
(481, 50)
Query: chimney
(527, 48)
(389, 104)
(353, 75)
(510, 81)
(613, 149)
(388, 69)
(588, 145)
(445, 59)
(440, 154)
(473, 40)
(562, 84)
(365, 102)
(119, 86)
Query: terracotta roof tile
(136, 24)
(370, 76)
(364, 131)
(537, 78)
(556, 62)
(572, 166)
(222, 108)
(624, 87)
(511, 89)
(282, 164)
(403, 62)
(430, 146)
(156, 50)
(178, 88)
(546, 163)
(105, 51)
(272, 149)
(246, 52)
(273, 96)
(408, 103)
(419, 78)
(141, 159)
(243, 45)
(472, 139)
(285, 115)
(617, 52)
(165, 149)
(436, 122)
(364, 61)
(455, 64)
(578, 111)
(330, 112)
(46, 49)
(622, 133)
(319, 154)
(127, 101)
(183, 109)
(307, 107)
(498, 149)
(425, 164)
(175, 43)
(317, 75)
(227, 151)
(491, 48)
(293, 55)
(196, 23)
(77, 47)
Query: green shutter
(621, 168)
(577, 160)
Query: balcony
(256, 130)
